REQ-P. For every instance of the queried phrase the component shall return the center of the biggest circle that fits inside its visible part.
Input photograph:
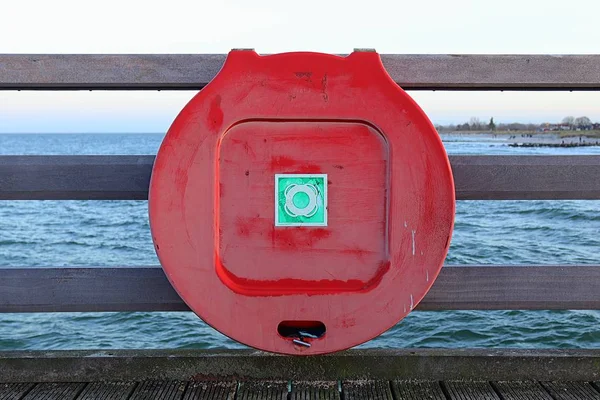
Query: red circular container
(302, 203)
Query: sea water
(116, 233)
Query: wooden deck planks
(315, 391)
(107, 391)
(417, 390)
(303, 390)
(14, 391)
(163, 390)
(367, 390)
(470, 391)
(521, 390)
(55, 391)
(572, 390)
(210, 391)
(262, 390)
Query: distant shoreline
(528, 138)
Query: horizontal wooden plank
(526, 177)
(193, 71)
(250, 366)
(127, 177)
(87, 289)
(147, 289)
(573, 287)
(75, 177)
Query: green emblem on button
(300, 199)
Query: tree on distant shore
(569, 121)
(475, 124)
(582, 121)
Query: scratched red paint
(390, 200)
(297, 237)
(280, 163)
(215, 115)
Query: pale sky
(400, 26)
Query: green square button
(300, 199)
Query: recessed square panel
(302, 206)
(300, 199)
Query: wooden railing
(193, 71)
(127, 177)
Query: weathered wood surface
(194, 71)
(128, 177)
(147, 289)
(211, 390)
(315, 391)
(526, 177)
(75, 177)
(14, 391)
(55, 391)
(521, 390)
(261, 390)
(251, 365)
(367, 390)
(415, 390)
(470, 391)
(163, 390)
(108, 391)
(571, 390)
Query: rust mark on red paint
(324, 88)
(358, 252)
(249, 150)
(181, 176)
(288, 164)
(215, 114)
(348, 322)
(247, 226)
(304, 75)
(244, 143)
